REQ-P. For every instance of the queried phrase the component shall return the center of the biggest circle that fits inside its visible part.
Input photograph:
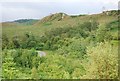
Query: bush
(103, 62)
(16, 42)
(5, 41)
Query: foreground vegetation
(85, 50)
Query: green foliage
(97, 63)
(5, 41)
(90, 26)
(9, 71)
(59, 68)
(34, 73)
(103, 63)
(76, 49)
(113, 28)
(15, 41)
(77, 74)
(83, 47)
(24, 58)
(103, 34)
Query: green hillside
(26, 21)
(10, 29)
(62, 46)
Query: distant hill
(26, 21)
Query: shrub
(5, 41)
(103, 62)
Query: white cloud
(41, 0)
(114, 2)
(15, 9)
(10, 14)
(0, 13)
(104, 1)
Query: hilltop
(54, 17)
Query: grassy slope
(13, 29)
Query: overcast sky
(36, 9)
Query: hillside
(53, 21)
(72, 47)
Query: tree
(103, 34)
(16, 42)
